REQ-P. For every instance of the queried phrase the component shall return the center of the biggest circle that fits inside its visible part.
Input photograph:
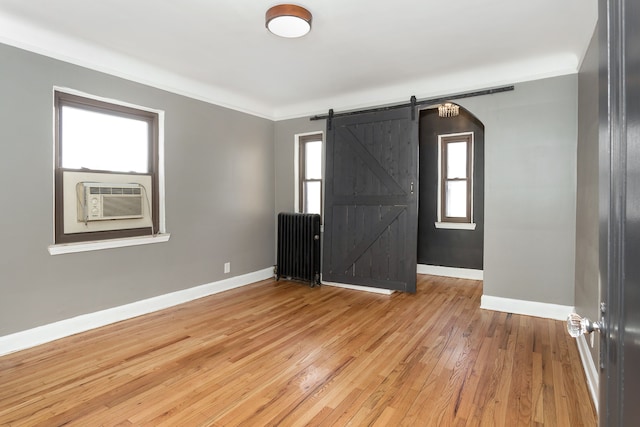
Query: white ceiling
(359, 52)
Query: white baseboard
(528, 308)
(460, 273)
(360, 288)
(53, 331)
(590, 370)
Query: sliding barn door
(371, 208)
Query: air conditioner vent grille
(121, 206)
(107, 201)
(114, 190)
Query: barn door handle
(411, 188)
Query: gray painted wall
(228, 173)
(220, 196)
(285, 132)
(530, 187)
(587, 292)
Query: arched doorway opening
(444, 241)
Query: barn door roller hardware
(413, 103)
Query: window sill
(456, 225)
(69, 248)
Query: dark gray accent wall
(587, 288)
(446, 247)
(219, 177)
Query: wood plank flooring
(283, 354)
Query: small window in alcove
(455, 179)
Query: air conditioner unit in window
(105, 201)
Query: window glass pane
(101, 141)
(313, 160)
(456, 160)
(312, 197)
(456, 199)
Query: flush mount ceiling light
(288, 20)
(448, 110)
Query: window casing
(455, 192)
(310, 173)
(121, 144)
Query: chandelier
(448, 110)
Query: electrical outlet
(227, 267)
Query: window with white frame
(455, 181)
(310, 173)
(105, 152)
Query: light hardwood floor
(281, 353)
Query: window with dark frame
(310, 174)
(95, 136)
(456, 176)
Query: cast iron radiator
(299, 247)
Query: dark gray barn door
(370, 230)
